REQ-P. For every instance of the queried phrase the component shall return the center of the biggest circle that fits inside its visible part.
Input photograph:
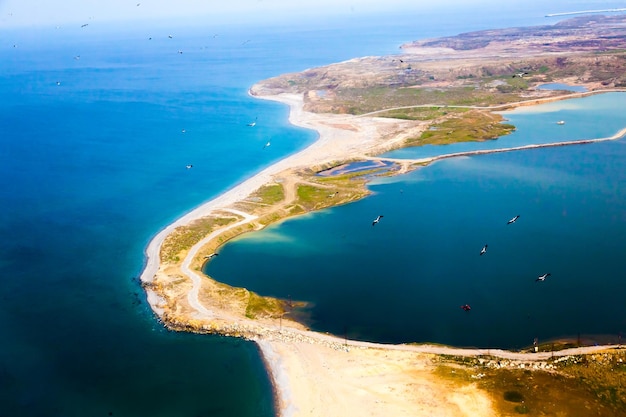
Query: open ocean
(96, 128)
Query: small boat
(560, 122)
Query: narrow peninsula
(434, 91)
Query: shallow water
(591, 117)
(560, 86)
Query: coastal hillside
(484, 68)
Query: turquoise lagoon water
(92, 168)
(560, 86)
(404, 279)
(595, 116)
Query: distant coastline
(623, 9)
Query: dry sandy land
(316, 380)
(320, 375)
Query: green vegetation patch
(421, 113)
(350, 179)
(263, 306)
(332, 191)
(270, 218)
(512, 85)
(311, 198)
(365, 100)
(294, 210)
(472, 126)
(309, 195)
(270, 194)
(184, 237)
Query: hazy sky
(59, 12)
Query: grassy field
(184, 237)
(264, 306)
(422, 113)
(468, 126)
(270, 194)
(365, 100)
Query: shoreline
(304, 158)
(281, 349)
(240, 191)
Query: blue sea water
(93, 159)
